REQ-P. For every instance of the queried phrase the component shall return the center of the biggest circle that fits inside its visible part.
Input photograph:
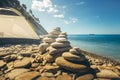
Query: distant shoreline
(96, 56)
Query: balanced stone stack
(57, 48)
(74, 61)
(48, 39)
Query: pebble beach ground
(54, 59)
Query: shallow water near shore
(104, 45)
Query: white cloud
(72, 20)
(38, 5)
(59, 16)
(52, 10)
(47, 3)
(44, 6)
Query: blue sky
(78, 16)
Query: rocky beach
(54, 59)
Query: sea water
(104, 45)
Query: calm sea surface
(105, 45)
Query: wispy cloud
(67, 22)
(59, 16)
(74, 20)
(80, 3)
(64, 7)
(97, 16)
(71, 20)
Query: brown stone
(73, 51)
(49, 58)
(48, 40)
(4, 54)
(63, 33)
(59, 45)
(107, 74)
(45, 78)
(94, 67)
(43, 47)
(9, 58)
(73, 57)
(62, 36)
(2, 63)
(71, 66)
(47, 74)
(11, 75)
(10, 65)
(49, 68)
(101, 79)
(28, 76)
(54, 36)
(25, 62)
(34, 65)
(61, 40)
(64, 77)
(53, 51)
(118, 67)
(65, 49)
(85, 77)
(25, 54)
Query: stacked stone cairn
(56, 48)
(48, 39)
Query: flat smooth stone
(60, 61)
(64, 77)
(45, 78)
(47, 74)
(48, 40)
(15, 73)
(53, 51)
(59, 45)
(63, 33)
(62, 36)
(73, 57)
(2, 63)
(107, 74)
(25, 62)
(55, 32)
(73, 51)
(28, 76)
(85, 77)
(60, 40)
(4, 54)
